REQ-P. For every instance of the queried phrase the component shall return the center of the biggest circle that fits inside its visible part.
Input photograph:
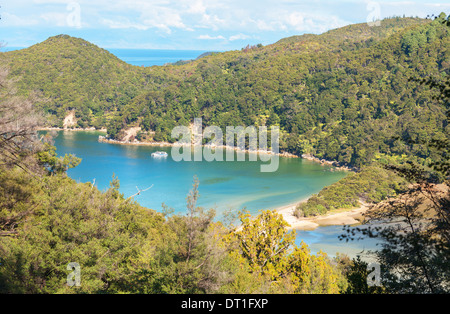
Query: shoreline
(103, 139)
(336, 166)
(333, 218)
(103, 130)
(337, 217)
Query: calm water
(149, 57)
(223, 185)
(326, 239)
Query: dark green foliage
(52, 163)
(415, 252)
(73, 74)
(63, 222)
(48, 222)
(343, 95)
(356, 272)
(371, 185)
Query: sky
(210, 25)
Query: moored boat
(159, 154)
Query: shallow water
(326, 239)
(225, 186)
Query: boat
(160, 154)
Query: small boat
(160, 154)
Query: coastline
(346, 217)
(336, 166)
(103, 139)
(337, 217)
(103, 130)
(333, 218)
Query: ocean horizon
(144, 57)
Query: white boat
(160, 154)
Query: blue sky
(217, 25)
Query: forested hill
(71, 73)
(344, 95)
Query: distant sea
(149, 57)
(145, 57)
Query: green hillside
(73, 74)
(343, 95)
(347, 95)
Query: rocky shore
(104, 139)
(335, 164)
(72, 129)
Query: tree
(18, 123)
(415, 251)
(191, 258)
(68, 222)
(356, 273)
(415, 255)
(48, 158)
(270, 252)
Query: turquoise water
(225, 186)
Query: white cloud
(208, 37)
(196, 7)
(148, 16)
(55, 18)
(309, 22)
(162, 18)
(238, 37)
(187, 20)
(13, 20)
(123, 24)
(264, 26)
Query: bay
(224, 186)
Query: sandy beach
(338, 217)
